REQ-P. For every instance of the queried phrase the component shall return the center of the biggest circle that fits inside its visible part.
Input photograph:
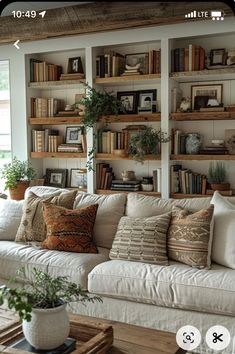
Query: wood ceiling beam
(99, 17)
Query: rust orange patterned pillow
(69, 230)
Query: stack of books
(71, 113)
(70, 148)
(74, 76)
(214, 150)
(128, 186)
(130, 72)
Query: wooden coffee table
(128, 339)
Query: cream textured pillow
(32, 226)
(223, 246)
(142, 239)
(190, 236)
(10, 216)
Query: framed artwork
(138, 58)
(78, 178)
(147, 101)
(218, 57)
(129, 102)
(204, 93)
(75, 65)
(73, 135)
(56, 177)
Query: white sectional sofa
(161, 297)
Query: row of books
(104, 176)
(45, 107)
(50, 140)
(42, 71)
(46, 140)
(108, 140)
(178, 142)
(190, 58)
(186, 181)
(113, 64)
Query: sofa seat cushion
(176, 286)
(76, 266)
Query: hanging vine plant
(146, 142)
(98, 104)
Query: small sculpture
(185, 104)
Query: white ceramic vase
(48, 328)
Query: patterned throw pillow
(142, 239)
(32, 226)
(69, 230)
(190, 236)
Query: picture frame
(211, 91)
(147, 101)
(138, 58)
(129, 101)
(73, 135)
(218, 57)
(75, 65)
(78, 178)
(56, 177)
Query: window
(5, 121)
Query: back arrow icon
(16, 44)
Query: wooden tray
(91, 337)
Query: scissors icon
(217, 338)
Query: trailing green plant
(216, 173)
(42, 292)
(98, 104)
(15, 172)
(146, 142)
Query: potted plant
(17, 175)
(146, 142)
(97, 104)
(41, 304)
(217, 177)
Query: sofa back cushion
(111, 209)
(223, 247)
(10, 216)
(139, 206)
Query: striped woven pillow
(142, 239)
(190, 236)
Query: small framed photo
(73, 135)
(78, 178)
(129, 102)
(56, 177)
(147, 101)
(202, 93)
(218, 57)
(138, 59)
(75, 65)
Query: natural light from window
(5, 120)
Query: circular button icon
(218, 337)
(188, 337)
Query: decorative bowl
(119, 152)
(147, 187)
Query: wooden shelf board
(55, 120)
(108, 191)
(203, 116)
(128, 118)
(202, 157)
(113, 157)
(181, 195)
(46, 85)
(204, 75)
(58, 155)
(127, 79)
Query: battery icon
(217, 15)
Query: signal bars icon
(192, 14)
(214, 15)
